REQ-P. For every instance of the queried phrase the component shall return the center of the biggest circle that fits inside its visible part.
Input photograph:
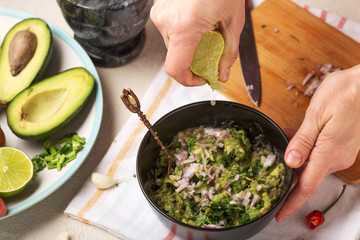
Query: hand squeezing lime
(207, 56)
(16, 171)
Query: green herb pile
(60, 154)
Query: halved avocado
(11, 85)
(47, 106)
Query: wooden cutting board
(302, 42)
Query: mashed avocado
(220, 178)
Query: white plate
(67, 54)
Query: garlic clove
(103, 181)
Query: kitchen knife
(249, 60)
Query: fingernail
(225, 75)
(294, 158)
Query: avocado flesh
(11, 85)
(49, 105)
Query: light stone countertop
(45, 220)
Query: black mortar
(111, 31)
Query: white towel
(124, 211)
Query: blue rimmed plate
(67, 54)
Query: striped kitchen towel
(347, 26)
(124, 211)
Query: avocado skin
(14, 111)
(47, 59)
(44, 64)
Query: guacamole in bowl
(219, 179)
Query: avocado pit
(21, 50)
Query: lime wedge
(208, 52)
(16, 171)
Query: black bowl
(223, 114)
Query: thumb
(303, 142)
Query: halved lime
(16, 171)
(208, 52)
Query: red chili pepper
(316, 217)
(3, 209)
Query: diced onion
(188, 161)
(245, 202)
(190, 171)
(182, 185)
(182, 142)
(211, 192)
(237, 177)
(204, 194)
(227, 184)
(212, 226)
(308, 77)
(181, 156)
(222, 222)
(269, 161)
(210, 181)
(255, 200)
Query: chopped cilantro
(294, 37)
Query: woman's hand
(328, 140)
(182, 23)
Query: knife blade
(249, 59)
